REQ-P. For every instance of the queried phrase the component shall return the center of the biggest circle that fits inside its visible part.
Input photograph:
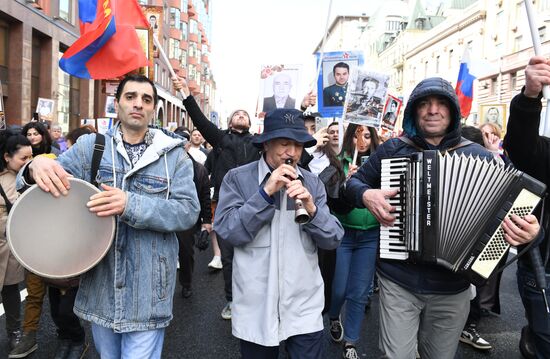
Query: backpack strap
(99, 147)
(463, 142)
(9, 205)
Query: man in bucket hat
(277, 285)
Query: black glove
(202, 239)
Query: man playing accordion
(420, 302)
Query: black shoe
(62, 350)
(13, 339)
(26, 345)
(186, 292)
(526, 345)
(336, 330)
(350, 352)
(77, 350)
(471, 337)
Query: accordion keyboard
(392, 244)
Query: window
(174, 51)
(513, 81)
(175, 18)
(542, 33)
(192, 72)
(183, 58)
(184, 6)
(494, 85)
(192, 49)
(183, 27)
(437, 64)
(63, 98)
(451, 53)
(65, 10)
(193, 27)
(143, 2)
(517, 43)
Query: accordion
(449, 210)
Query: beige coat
(11, 272)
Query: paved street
(198, 331)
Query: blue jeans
(133, 345)
(355, 263)
(539, 321)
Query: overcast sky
(247, 34)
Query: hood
(431, 86)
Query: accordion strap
(463, 142)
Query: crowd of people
(282, 275)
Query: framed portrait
(153, 14)
(279, 84)
(391, 112)
(366, 98)
(44, 108)
(110, 107)
(493, 113)
(104, 124)
(332, 83)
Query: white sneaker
(216, 263)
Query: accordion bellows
(449, 210)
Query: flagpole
(538, 51)
(165, 58)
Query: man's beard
(239, 127)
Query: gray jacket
(277, 284)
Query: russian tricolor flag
(465, 85)
(108, 46)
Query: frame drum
(58, 237)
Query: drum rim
(46, 275)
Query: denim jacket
(132, 287)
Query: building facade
(35, 33)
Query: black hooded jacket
(530, 153)
(230, 148)
(416, 277)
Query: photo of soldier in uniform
(391, 112)
(365, 101)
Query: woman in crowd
(40, 138)
(356, 255)
(71, 335)
(16, 151)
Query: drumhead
(58, 237)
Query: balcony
(184, 17)
(205, 59)
(191, 9)
(175, 33)
(191, 60)
(174, 3)
(175, 64)
(194, 38)
(184, 45)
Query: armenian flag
(108, 45)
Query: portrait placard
(44, 108)
(391, 112)
(493, 113)
(110, 107)
(365, 102)
(279, 84)
(153, 14)
(332, 83)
